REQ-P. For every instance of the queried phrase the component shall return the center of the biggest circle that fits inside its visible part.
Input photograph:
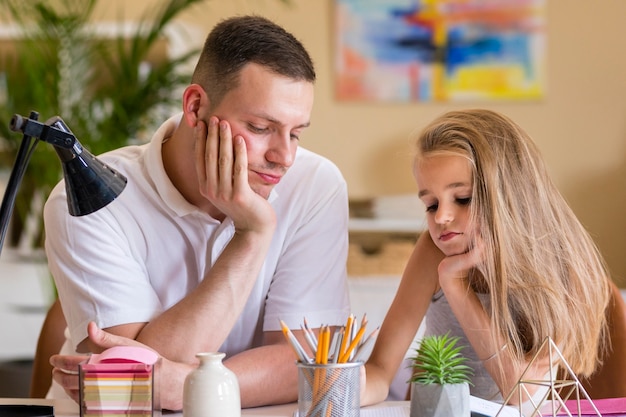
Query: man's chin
(263, 191)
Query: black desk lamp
(89, 183)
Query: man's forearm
(267, 375)
(204, 318)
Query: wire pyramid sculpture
(558, 391)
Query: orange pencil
(346, 335)
(329, 409)
(318, 351)
(318, 374)
(325, 332)
(362, 349)
(346, 355)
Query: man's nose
(281, 150)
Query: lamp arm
(89, 183)
(17, 173)
(54, 131)
(58, 135)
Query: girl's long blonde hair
(545, 277)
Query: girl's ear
(195, 104)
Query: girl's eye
(464, 201)
(432, 208)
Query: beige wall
(580, 126)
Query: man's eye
(256, 129)
(294, 136)
(432, 207)
(464, 201)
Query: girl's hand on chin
(454, 269)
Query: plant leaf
(439, 360)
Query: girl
(504, 265)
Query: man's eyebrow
(278, 122)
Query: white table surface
(68, 408)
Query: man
(225, 226)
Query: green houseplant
(440, 380)
(108, 88)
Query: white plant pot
(434, 400)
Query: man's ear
(195, 104)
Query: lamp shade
(89, 183)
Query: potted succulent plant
(440, 380)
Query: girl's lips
(447, 236)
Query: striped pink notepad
(119, 382)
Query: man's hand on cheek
(222, 169)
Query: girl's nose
(444, 214)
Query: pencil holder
(331, 390)
(121, 381)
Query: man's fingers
(211, 154)
(100, 340)
(65, 373)
(200, 135)
(67, 364)
(225, 163)
(240, 169)
(67, 381)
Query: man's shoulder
(303, 152)
(126, 160)
(312, 177)
(123, 155)
(130, 161)
(308, 163)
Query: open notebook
(479, 407)
(614, 407)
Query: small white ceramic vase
(211, 390)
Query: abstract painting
(439, 50)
